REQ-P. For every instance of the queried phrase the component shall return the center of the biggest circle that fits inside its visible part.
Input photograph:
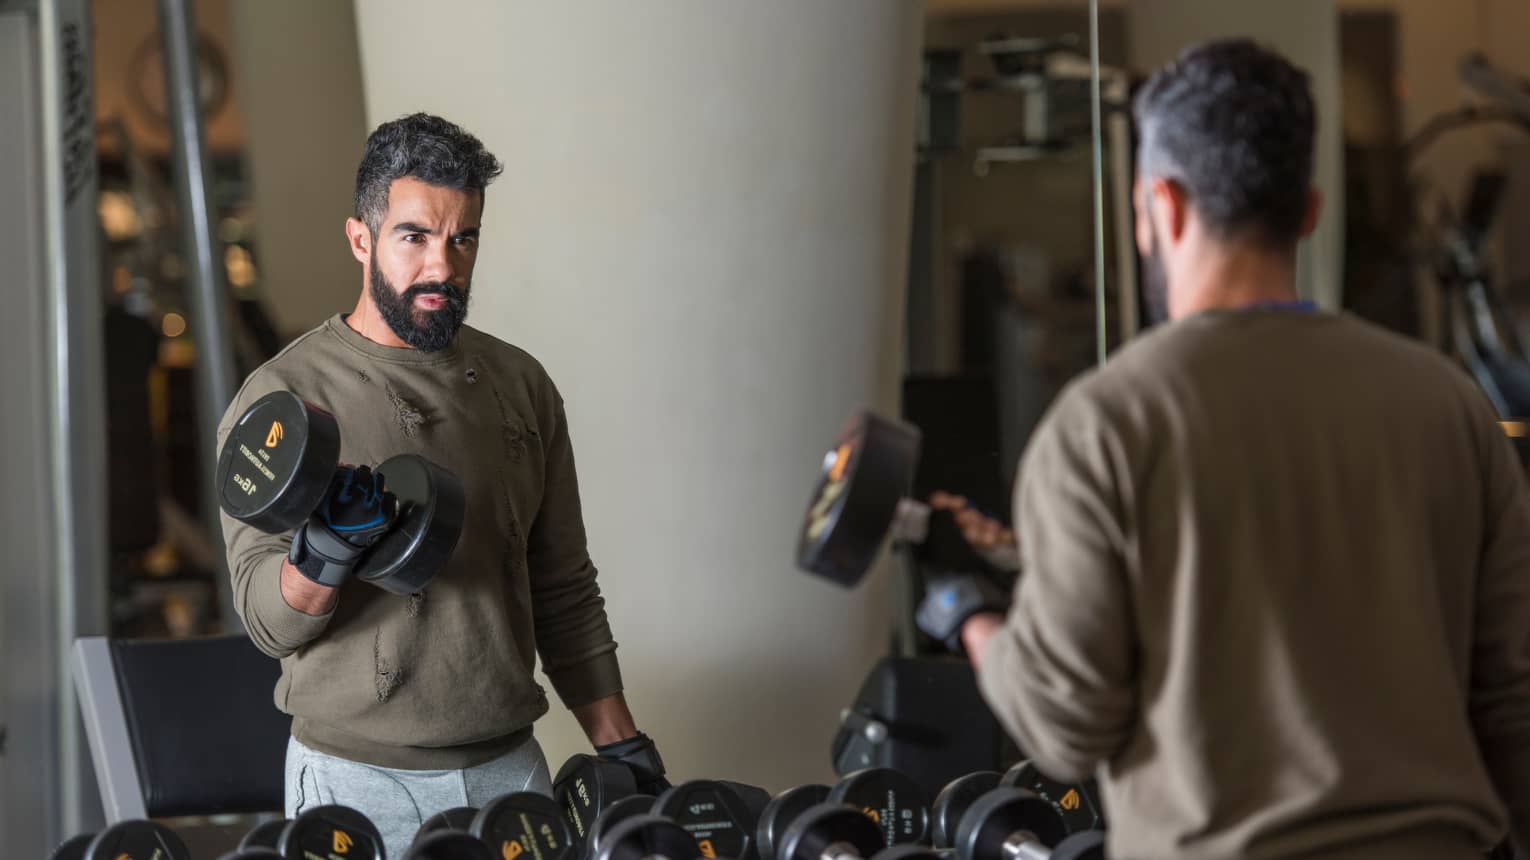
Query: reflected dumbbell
(859, 503)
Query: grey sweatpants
(398, 801)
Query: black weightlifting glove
(355, 512)
(950, 600)
(641, 757)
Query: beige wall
(702, 233)
(301, 94)
(127, 28)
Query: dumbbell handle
(1023, 845)
(911, 525)
(840, 851)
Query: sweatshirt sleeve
(1500, 677)
(1060, 673)
(572, 634)
(255, 563)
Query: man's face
(421, 264)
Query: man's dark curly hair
(1232, 123)
(427, 148)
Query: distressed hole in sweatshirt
(388, 678)
(408, 415)
(415, 600)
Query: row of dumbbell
(598, 815)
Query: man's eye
(413, 238)
(466, 241)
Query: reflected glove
(950, 600)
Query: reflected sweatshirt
(1276, 590)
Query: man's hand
(640, 756)
(980, 530)
(356, 511)
(950, 602)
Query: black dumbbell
(72, 848)
(954, 800)
(891, 799)
(1078, 804)
(251, 854)
(331, 830)
(714, 814)
(615, 813)
(647, 837)
(276, 465)
(782, 810)
(834, 831)
(586, 786)
(524, 823)
(136, 839)
(458, 819)
(448, 845)
(1015, 824)
(888, 799)
(264, 835)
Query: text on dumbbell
(250, 455)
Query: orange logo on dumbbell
(511, 849)
(707, 849)
(275, 435)
(342, 840)
(1070, 800)
(873, 814)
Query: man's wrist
(305, 595)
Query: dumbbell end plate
(431, 507)
(277, 462)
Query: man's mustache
(450, 293)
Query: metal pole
(206, 293)
(1101, 317)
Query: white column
(701, 232)
(1307, 33)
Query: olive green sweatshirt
(442, 679)
(1276, 590)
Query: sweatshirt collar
(396, 354)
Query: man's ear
(1141, 213)
(1314, 210)
(359, 236)
(1169, 204)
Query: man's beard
(1155, 284)
(426, 331)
